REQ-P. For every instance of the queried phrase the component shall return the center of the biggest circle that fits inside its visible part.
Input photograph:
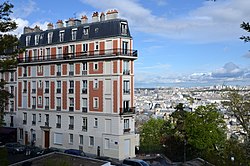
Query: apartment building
(75, 86)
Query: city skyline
(180, 43)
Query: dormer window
(37, 37)
(28, 40)
(61, 36)
(86, 31)
(50, 37)
(124, 28)
(73, 34)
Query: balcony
(71, 91)
(58, 73)
(71, 73)
(84, 72)
(46, 90)
(24, 90)
(58, 108)
(46, 107)
(33, 106)
(126, 91)
(82, 55)
(71, 127)
(33, 122)
(33, 91)
(46, 124)
(126, 130)
(84, 109)
(24, 122)
(24, 74)
(71, 109)
(84, 128)
(126, 72)
(127, 111)
(58, 125)
(58, 90)
(84, 91)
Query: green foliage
(246, 27)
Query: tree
(8, 51)
(246, 27)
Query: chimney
(59, 24)
(95, 17)
(37, 29)
(102, 17)
(84, 19)
(49, 26)
(71, 22)
(27, 30)
(112, 14)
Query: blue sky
(180, 42)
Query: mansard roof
(97, 30)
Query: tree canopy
(246, 27)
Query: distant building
(75, 86)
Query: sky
(182, 43)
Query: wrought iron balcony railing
(79, 55)
(58, 125)
(126, 111)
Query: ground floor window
(58, 138)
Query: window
(58, 103)
(33, 84)
(126, 123)
(40, 118)
(96, 122)
(47, 53)
(39, 69)
(58, 84)
(106, 143)
(126, 87)
(61, 36)
(33, 119)
(72, 49)
(39, 100)
(11, 106)
(12, 91)
(33, 102)
(71, 138)
(95, 104)
(85, 47)
(59, 70)
(21, 133)
(95, 84)
(46, 103)
(84, 68)
(91, 141)
(11, 76)
(71, 102)
(37, 39)
(126, 70)
(24, 86)
(50, 37)
(86, 31)
(46, 86)
(58, 121)
(84, 105)
(40, 84)
(24, 71)
(84, 124)
(84, 86)
(59, 52)
(124, 48)
(58, 138)
(35, 54)
(124, 28)
(71, 69)
(24, 118)
(46, 119)
(81, 139)
(71, 122)
(95, 66)
(73, 34)
(28, 40)
(96, 45)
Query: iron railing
(126, 111)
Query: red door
(46, 140)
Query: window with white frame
(12, 91)
(61, 36)
(96, 45)
(39, 69)
(126, 123)
(58, 86)
(95, 103)
(95, 84)
(37, 37)
(24, 86)
(47, 53)
(71, 138)
(126, 87)
(126, 67)
(85, 47)
(46, 86)
(71, 102)
(84, 124)
(46, 101)
(33, 119)
(50, 35)
(58, 138)
(84, 102)
(58, 103)
(40, 84)
(33, 85)
(58, 119)
(95, 122)
(40, 117)
(33, 102)
(71, 69)
(59, 52)
(24, 117)
(91, 141)
(85, 30)
(73, 34)
(96, 66)
(28, 40)
(84, 66)
(124, 28)
(39, 100)
(81, 139)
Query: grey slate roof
(107, 28)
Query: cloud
(229, 70)
(247, 55)
(212, 22)
(26, 9)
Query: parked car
(75, 152)
(14, 147)
(33, 151)
(51, 149)
(135, 162)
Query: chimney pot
(49, 26)
(95, 17)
